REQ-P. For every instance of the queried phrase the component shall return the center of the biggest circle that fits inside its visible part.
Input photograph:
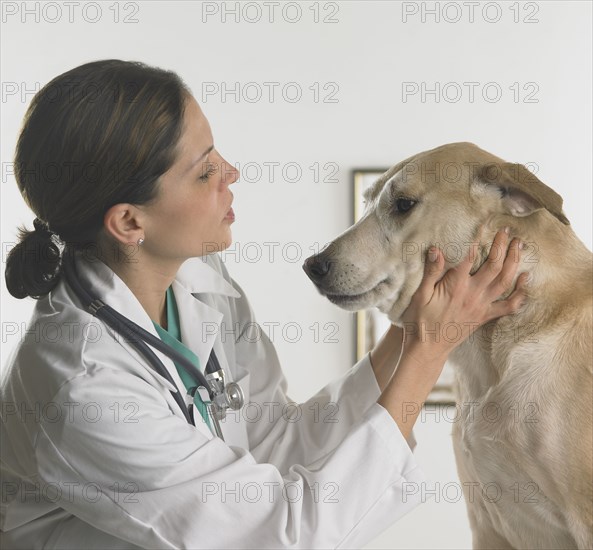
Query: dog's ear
(522, 192)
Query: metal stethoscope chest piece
(220, 397)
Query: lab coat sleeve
(286, 432)
(113, 454)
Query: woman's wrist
(385, 355)
(419, 369)
(425, 351)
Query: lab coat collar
(198, 276)
(195, 275)
(200, 323)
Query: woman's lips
(230, 215)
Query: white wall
(366, 55)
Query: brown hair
(97, 135)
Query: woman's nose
(231, 173)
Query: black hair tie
(42, 227)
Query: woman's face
(192, 215)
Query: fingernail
(432, 254)
(507, 229)
(521, 245)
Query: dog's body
(524, 393)
(523, 440)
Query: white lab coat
(96, 452)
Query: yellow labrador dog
(523, 441)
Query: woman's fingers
(495, 275)
(513, 303)
(504, 280)
(433, 269)
(492, 267)
(465, 266)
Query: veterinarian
(107, 446)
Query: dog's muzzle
(322, 271)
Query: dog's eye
(403, 205)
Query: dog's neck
(552, 255)
(560, 274)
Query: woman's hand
(443, 313)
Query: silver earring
(140, 241)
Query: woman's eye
(209, 172)
(403, 205)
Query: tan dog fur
(524, 381)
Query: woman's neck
(148, 279)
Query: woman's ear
(522, 193)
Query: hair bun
(33, 265)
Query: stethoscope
(211, 387)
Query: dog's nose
(316, 267)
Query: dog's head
(439, 197)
